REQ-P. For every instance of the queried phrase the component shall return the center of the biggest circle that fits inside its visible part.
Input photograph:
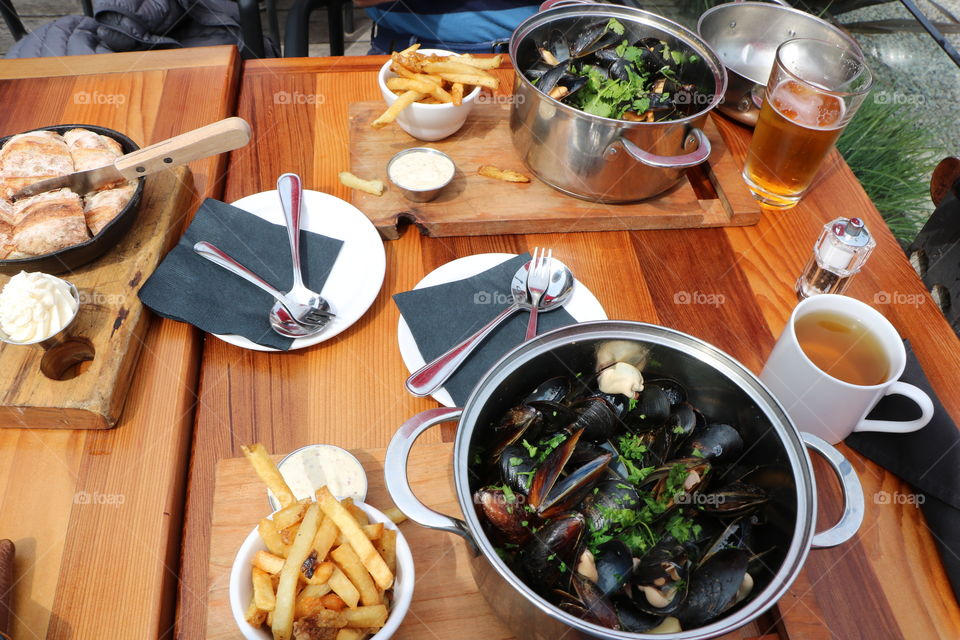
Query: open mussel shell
(632, 618)
(733, 500)
(506, 515)
(522, 421)
(661, 577)
(548, 557)
(714, 586)
(597, 608)
(614, 564)
(570, 491)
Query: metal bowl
(746, 35)
(721, 387)
(70, 258)
(420, 195)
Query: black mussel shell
(570, 491)
(676, 392)
(597, 607)
(717, 443)
(597, 417)
(552, 390)
(522, 421)
(592, 39)
(618, 69)
(660, 587)
(549, 556)
(551, 77)
(632, 618)
(550, 469)
(713, 587)
(554, 416)
(517, 468)
(607, 495)
(651, 411)
(557, 44)
(614, 564)
(506, 516)
(733, 500)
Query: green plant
(893, 158)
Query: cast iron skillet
(70, 258)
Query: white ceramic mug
(826, 406)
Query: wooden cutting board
(47, 389)
(446, 603)
(710, 195)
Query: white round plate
(583, 306)
(357, 274)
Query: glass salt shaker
(838, 255)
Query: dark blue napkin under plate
(444, 315)
(189, 288)
(928, 460)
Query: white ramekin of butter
(36, 309)
(313, 466)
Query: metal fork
(538, 279)
(307, 306)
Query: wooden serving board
(446, 602)
(47, 389)
(710, 195)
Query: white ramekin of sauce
(315, 465)
(421, 172)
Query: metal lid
(851, 232)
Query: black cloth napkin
(189, 288)
(442, 316)
(928, 460)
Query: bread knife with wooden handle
(225, 135)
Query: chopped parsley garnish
(515, 462)
(632, 404)
(531, 450)
(631, 447)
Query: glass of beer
(815, 87)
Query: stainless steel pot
(603, 159)
(746, 35)
(719, 385)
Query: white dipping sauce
(34, 306)
(310, 468)
(421, 170)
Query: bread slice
(30, 157)
(90, 150)
(101, 207)
(6, 240)
(49, 222)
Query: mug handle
(853, 505)
(902, 426)
(398, 485)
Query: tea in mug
(843, 347)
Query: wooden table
(887, 583)
(105, 567)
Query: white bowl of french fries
(428, 91)
(323, 566)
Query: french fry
(458, 68)
(374, 187)
(456, 92)
(307, 606)
(391, 113)
(267, 471)
(271, 538)
(373, 531)
(396, 516)
(314, 591)
(326, 536)
(387, 548)
(351, 634)
(348, 561)
(479, 63)
(341, 585)
(358, 514)
(322, 573)
(373, 616)
(502, 174)
(410, 49)
(289, 516)
(254, 615)
(333, 601)
(288, 534)
(423, 86)
(484, 81)
(266, 561)
(287, 589)
(263, 590)
(355, 536)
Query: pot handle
(691, 159)
(395, 474)
(853, 506)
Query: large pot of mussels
(623, 480)
(609, 102)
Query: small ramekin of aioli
(421, 172)
(36, 308)
(315, 465)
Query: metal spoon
(280, 319)
(432, 375)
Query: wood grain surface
(732, 287)
(710, 195)
(96, 515)
(46, 391)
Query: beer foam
(806, 106)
